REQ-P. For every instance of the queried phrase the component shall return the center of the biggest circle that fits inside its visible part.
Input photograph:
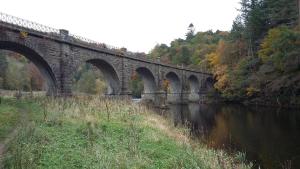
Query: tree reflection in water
(269, 137)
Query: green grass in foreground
(94, 133)
(10, 114)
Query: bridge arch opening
(37, 60)
(194, 87)
(96, 77)
(149, 85)
(207, 85)
(175, 88)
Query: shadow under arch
(110, 75)
(194, 88)
(37, 60)
(149, 83)
(207, 85)
(175, 87)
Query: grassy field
(10, 115)
(96, 133)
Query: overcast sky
(137, 25)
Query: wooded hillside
(257, 61)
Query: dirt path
(11, 136)
(3, 145)
(2, 150)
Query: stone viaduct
(58, 54)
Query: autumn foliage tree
(258, 59)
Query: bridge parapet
(33, 26)
(58, 54)
(56, 34)
(5, 18)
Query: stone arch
(110, 75)
(194, 88)
(175, 87)
(209, 82)
(37, 60)
(207, 85)
(149, 83)
(194, 84)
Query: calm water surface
(270, 137)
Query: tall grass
(93, 132)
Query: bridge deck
(35, 29)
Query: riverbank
(91, 133)
(289, 102)
(274, 101)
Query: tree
(136, 85)
(237, 30)
(87, 83)
(298, 5)
(281, 47)
(88, 79)
(259, 16)
(160, 52)
(100, 86)
(253, 13)
(281, 12)
(36, 79)
(191, 30)
(18, 76)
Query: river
(270, 137)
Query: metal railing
(92, 42)
(5, 18)
(23, 23)
(26, 24)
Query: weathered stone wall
(58, 57)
